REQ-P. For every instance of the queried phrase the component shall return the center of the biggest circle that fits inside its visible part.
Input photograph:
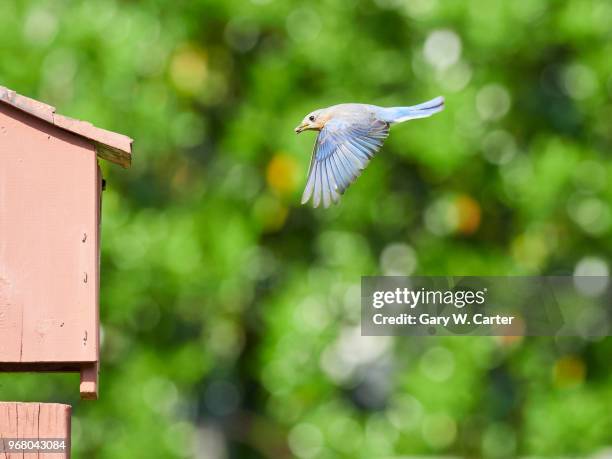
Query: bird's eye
(311, 117)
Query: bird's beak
(300, 128)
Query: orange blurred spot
(468, 212)
(281, 173)
(517, 327)
(509, 340)
(569, 371)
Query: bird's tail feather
(400, 114)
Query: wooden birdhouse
(50, 198)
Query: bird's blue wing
(342, 150)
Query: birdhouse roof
(111, 146)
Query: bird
(349, 137)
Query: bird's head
(314, 121)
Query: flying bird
(349, 137)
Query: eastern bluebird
(349, 136)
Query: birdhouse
(50, 200)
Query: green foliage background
(230, 313)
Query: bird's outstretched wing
(342, 150)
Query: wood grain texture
(35, 421)
(49, 243)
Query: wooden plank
(90, 373)
(89, 381)
(31, 106)
(34, 421)
(49, 245)
(8, 425)
(27, 424)
(109, 145)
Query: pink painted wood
(49, 246)
(35, 421)
(111, 146)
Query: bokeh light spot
(419, 9)
(189, 68)
(160, 394)
(530, 250)
(441, 216)
(438, 364)
(493, 102)
(499, 147)
(591, 213)
(569, 371)
(405, 412)
(305, 440)
(241, 34)
(439, 430)
(499, 441)
(281, 173)
(456, 77)
(579, 81)
(591, 276)
(343, 428)
(442, 48)
(303, 25)
(270, 212)
(398, 260)
(468, 211)
(40, 26)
